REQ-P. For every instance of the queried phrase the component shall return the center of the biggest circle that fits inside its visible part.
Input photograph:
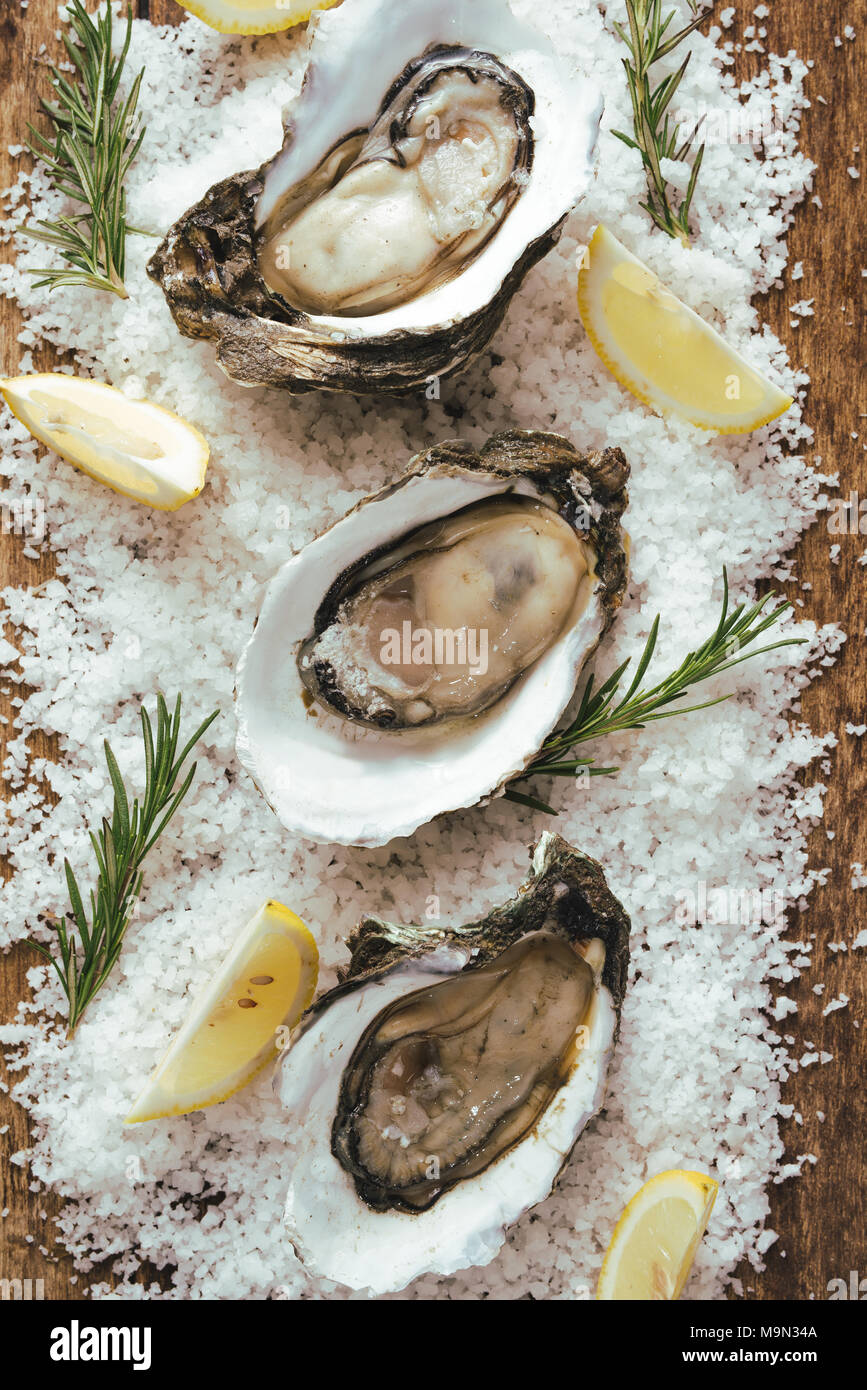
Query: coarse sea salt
(145, 602)
(833, 1004)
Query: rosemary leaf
(654, 135)
(604, 711)
(524, 799)
(87, 156)
(120, 847)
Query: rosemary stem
(655, 135)
(93, 141)
(601, 713)
(120, 846)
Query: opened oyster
(441, 625)
(429, 161)
(438, 1090)
(396, 211)
(415, 656)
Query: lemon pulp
(662, 351)
(656, 1239)
(245, 1019)
(254, 16)
(134, 447)
(240, 1021)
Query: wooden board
(820, 1217)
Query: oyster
(430, 184)
(443, 625)
(415, 656)
(419, 180)
(438, 1090)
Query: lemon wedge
(235, 1027)
(655, 1240)
(254, 17)
(136, 448)
(661, 351)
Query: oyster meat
(429, 161)
(431, 182)
(438, 1090)
(415, 656)
(461, 1069)
(442, 626)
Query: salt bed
(144, 602)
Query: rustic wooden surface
(821, 1216)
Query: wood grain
(821, 1216)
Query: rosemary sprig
(93, 142)
(601, 712)
(121, 846)
(656, 136)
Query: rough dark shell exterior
(588, 489)
(208, 272)
(565, 892)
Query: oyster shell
(336, 777)
(438, 1090)
(419, 180)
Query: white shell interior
(339, 782)
(332, 1229)
(356, 52)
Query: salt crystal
(839, 1003)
